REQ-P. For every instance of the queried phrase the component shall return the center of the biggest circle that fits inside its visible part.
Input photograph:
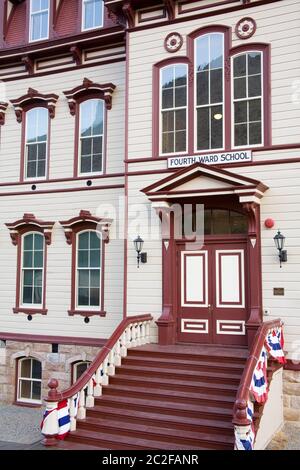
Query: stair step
(215, 422)
(174, 435)
(154, 383)
(113, 442)
(186, 376)
(69, 445)
(205, 405)
(181, 364)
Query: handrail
(88, 374)
(70, 405)
(240, 406)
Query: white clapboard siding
(57, 322)
(285, 64)
(63, 125)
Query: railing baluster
(123, 345)
(98, 388)
(118, 358)
(111, 361)
(90, 394)
(105, 376)
(81, 407)
(72, 413)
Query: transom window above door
(215, 99)
(217, 222)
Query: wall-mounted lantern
(279, 240)
(138, 245)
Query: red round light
(269, 223)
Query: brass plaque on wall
(278, 291)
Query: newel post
(50, 420)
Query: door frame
(167, 323)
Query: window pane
(167, 75)
(220, 221)
(89, 15)
(83, 296)
(168, 121)
(240, 134)
(83, 240)
(95, 258)
(36, 369)
(94, 240)
(255, 136)
(95, 297)
(239, 66)
(216, 127)
(28, 278)
(26, 368)
(31, 169)
(36, 390)
(180, 75)
(86, 164)
(81, 368)
(37, 295)
(168, 142)
(38, 242)
(254, 63)
(240, 88)
(255, 110)
(207, 221)
(27, 295)
(254, 86)
(35, 27)
(203, 128)
(180, 141)
(238, 222)
(83, 258)
(240, 112)
(28, 242)
(95, 278)
(97, 145)
(97, 163)
(180, 96)
(35, 5)
(83, 278)
(41, 168)
(216, 86)
(27, 259)
(167, 98)
(38, 277)
(25, 386)
(202, 88)
(203, 53)
(180, 120)
(97, 117)
(32, 152)
(38, 259)
(216, 51)
(86, 146)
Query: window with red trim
(91, 136)
(226, 103)
(36, 143)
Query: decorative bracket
(170, 7)
(77, 54)
(129, 14)
(29, 64)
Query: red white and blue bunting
(259, 384)
(275, 343)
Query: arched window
(29, 382)
(209, 63)
(88, 270)
(92, 14)
(248, 99)
(173, 90)
(37, 123)
(79, 368)
(32, 278)
(91, 137)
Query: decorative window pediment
(88, 88)
(86, 219)
(27, 223)
(33, 97)
(3, 108)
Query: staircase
(165, 397)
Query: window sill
(27, 405)
(31, 311)
(87, 313)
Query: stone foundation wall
(291, 395)
(54, 365)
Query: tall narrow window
(29, 380)
(209, 91)
(36, 143)
(91, 136)
(88, 269)
(247, 102)
(174, 109)
(39, 19)
(32, 269)
(92, 14)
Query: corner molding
(29, 220)
(34, 97)
(105, 92)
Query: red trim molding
(290, 365)
(104, 91)
(33, 97)
(45, 339)
(3, 108)
(18, 227)
(85, 221)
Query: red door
(211, 303)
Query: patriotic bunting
(274, 344)
(64, 421)
(259, 384)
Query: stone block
(291, 414)
(291, 388)
(287, 401)
(292, 376)
(295, 402)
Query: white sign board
(211, 159)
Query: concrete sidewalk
(20, 427)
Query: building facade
(127, 118)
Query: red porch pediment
(201, 180)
